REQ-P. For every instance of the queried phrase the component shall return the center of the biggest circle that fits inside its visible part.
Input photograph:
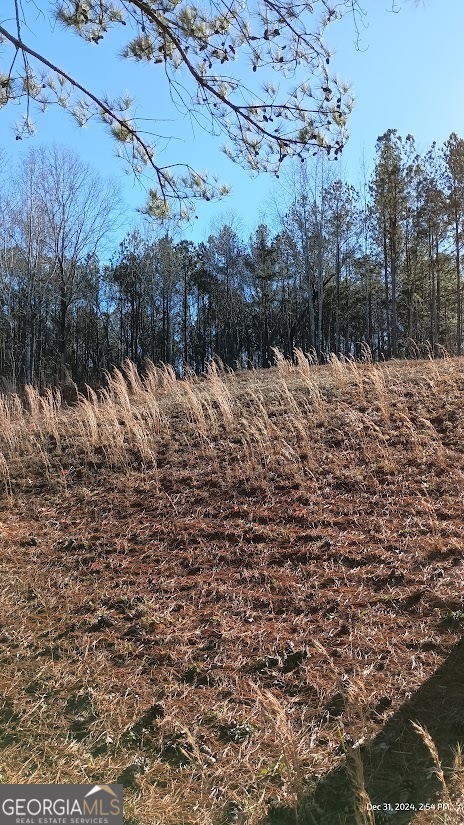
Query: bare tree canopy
(298, 108)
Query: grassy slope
(212, 589)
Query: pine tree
(454, 178)
(195, 49)
(389, 193)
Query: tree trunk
(457, 241)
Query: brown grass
(227, 592)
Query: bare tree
(32, 269)
(77, 210)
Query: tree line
(374, 269)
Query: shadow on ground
(398, 768)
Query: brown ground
(217, 627)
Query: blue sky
(406, 72)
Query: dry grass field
(239, 595)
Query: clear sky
(406, 72)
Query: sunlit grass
(193, 570)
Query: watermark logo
(61, 805)
(105, 788)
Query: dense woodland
(341, 271)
